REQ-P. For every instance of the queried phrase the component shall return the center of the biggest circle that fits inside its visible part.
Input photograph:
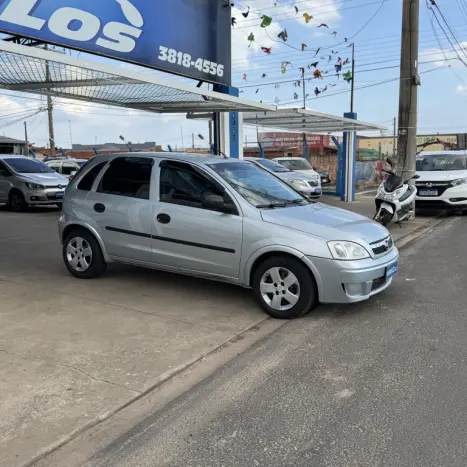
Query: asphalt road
(382, 383)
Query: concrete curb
(405, 240)
(159, 381)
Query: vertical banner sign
(187, 37)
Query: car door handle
(99, 207)
(163, 218)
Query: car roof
(13, 156)
(459, 152)
(204, 159)
(288, 158)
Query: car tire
(16, 201)
(82, 255)
(285, 287)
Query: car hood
(441, 175)
(310, 173)
(295, 176)
(46, 179)
(327, 222)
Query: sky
(372, 25)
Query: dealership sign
(187, 37)
(286, 140)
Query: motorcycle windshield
(392, 183)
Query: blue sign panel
(187, 37)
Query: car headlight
(299, 183)
(459, 181)
(35, 186)
(347, 251)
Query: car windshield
(258, 187)
(296, 164)
(28, 166)
(272, 166)
(441, 162)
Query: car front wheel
(284, 287)
(83, 255)
(16, 202)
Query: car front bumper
(44, 197)
(451, 198)
(352, 281)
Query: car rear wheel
(285, 288)
(82, 255)
(16, 202)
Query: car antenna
(201, 137)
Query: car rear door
(121, 210)
(188, 236)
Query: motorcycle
(395, 198)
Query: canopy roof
(39, 71)
(306, 121)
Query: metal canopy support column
(349, 162)
(228, 127)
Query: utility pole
(26, 141)
(394, 139)
(181, 132)
(353, 79)
(408, 93)
(210, 134)
(50, 110)
(193, 140)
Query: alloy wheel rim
(280, 288)
(79, 254)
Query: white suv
(301, 165)
(443, 180)
(65, 167)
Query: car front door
(121, 210)
(186, 234)
(5, 176)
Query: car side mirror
(5, 173)
(213, 202)
(415, 177)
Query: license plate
(427, 192)
(59, 194)
(392, 270)
(318, 190)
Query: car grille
(440, 186)
(55, 187)
(382, 246)
(431, 204)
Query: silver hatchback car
(28, 182)
(222, 219)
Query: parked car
(324, 174)
(65, 167)
(28, 182)
(225, 220)
(305, 184)
(298, 164)
(443, 180)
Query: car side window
(186, 185)
(55, 167)
(128, 176)
(67, 169)
(88, 180)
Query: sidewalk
(365, 205)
